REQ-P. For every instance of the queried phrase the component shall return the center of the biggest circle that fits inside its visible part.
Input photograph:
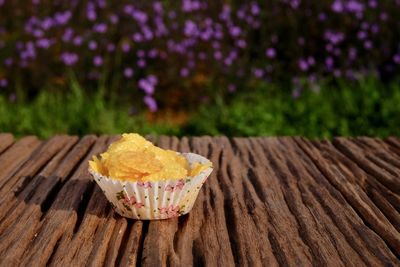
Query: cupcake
(145, 182)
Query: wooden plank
(6, 140)
(23, 220)
(343, 230)
(100, 229)
(205, 224)
(15, 156)
(45, 232)
(14, 183)
(380, 153)
(92, 229)
(394, 144)
(356, 154)
(269, 201)
(356, 186)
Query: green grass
(367, 107)
(73, 113)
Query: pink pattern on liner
(170, 211)
(132, 201)
(145, 184)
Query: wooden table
(270, 201)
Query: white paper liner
(154, 200)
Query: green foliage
(72, 113)
(367, 107)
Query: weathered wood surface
(269, 202)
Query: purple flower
(255, 8)
(231, 88)
(311, 61)
(157, 7)
(147, 85)
(303, 65)
(100, 28)
(47, 23)
(43, 43)
(329, 62)
(152, 53)
(38, 33)
(296, 92)
(128, 9)
(98, 61)
(372, 3)
(216, 45)
(190, 28)
(150, 103)
(8, 61)
(139, 16)
(189, 5)
(322, 16)
(270, 52)
(68, 58)
(354, 6)
(235, 31)
(375, 28)
(137, 37)
(295, 3)
(77, 40)
(241, 14)
(228, 61)
(368, 44)
(241, 43)
(128, 72)
(126, 47)
(337, 73)
(3, 83)
(147, 33)
(352, 53)
(361, 35)
(258, 73)
(396, 58)
(217, 55)
(141, 63)
(334, 37)
(61, 18)
(184, 72)
(114, 19)
(337, 6)
(384, 16)
(91, 12)
(67, 36)
(152, 79)
(92, 45)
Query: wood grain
(269, 202)
(6, 140)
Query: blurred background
(193, 67)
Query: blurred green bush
(365, 107)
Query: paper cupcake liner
(154, 200)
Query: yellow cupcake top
(133, 158)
